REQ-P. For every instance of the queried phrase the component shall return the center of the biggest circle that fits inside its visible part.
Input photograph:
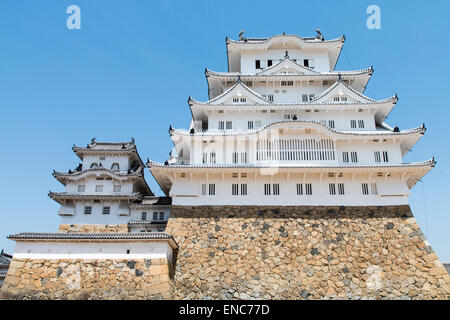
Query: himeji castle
(283, 127)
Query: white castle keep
(283, 127)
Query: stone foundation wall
(303, 253)
(87, 279)
(93, 228)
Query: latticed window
(353, 124)
(161, 216)
(221, 125)
(361, 124)
(299, 189)
(81, 188)
(373, 188)
(117, 188)
(385, 156)
(243, 189)
(87, 210)
(235, 189)
(212, 189)
(354, 156)
(276, 189)
(377, 156)
(229, 125)
(331, 123)
(308, 189)
(267, 189)
(250, 125)
(144, 216)
(332, 189)
(244, 157)
(106, 210)
(365, 189)
(345, 156)
(212, 157)
(341, 190)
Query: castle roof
(152, 202)
(161, 172)
(59, 236)
(137, 175)
(61, 196)
(284, 41)
(108, 148)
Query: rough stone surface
(93, 228)
(87, 279)
(303, 253)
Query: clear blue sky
(130, 69)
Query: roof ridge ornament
(93, 141)
(339, 77)
(239, 78)
(241, 38)
(132, 139)
(286, 55)
(319, 35)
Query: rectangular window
(234, 189)
(361, 124)
(385, 156)
(243, 99)
(336, 99)
(269, 63)
(345, 156)
(250, 125)
(81, 188)
(212, 189)
(377, 156)
(354, 156)
(331, 124)
(353, 124)
(212, 157)
(87, 210)
(332, 189)
(235, 157)
(99, 188)
(373, 188)
(161, 216)
(267, 189)
(221, 125)
(229, 125)
(258, 124)
(306, 62)
(144, 216)
(205, 157)
(117, 188)
(270, 97)
(365, 189)
(235, 100)
(258, 64)
(243, 189)
(341, 190)
(308, 189)
(299, 189)
(106, 210)
(276, 189)
(155, 215)
(304, 98)
(244, 157)
(203, 189)
(344, 99)
(287, 83)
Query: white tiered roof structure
(282, 127)
(109, 188)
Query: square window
(87, 210)
(117, 188)
(106, 210)
(81, 188)
(99, 188)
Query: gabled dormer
(238, 94)
(341, 93)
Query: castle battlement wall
(313, 252)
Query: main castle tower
(283, 127)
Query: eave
(60, 197)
